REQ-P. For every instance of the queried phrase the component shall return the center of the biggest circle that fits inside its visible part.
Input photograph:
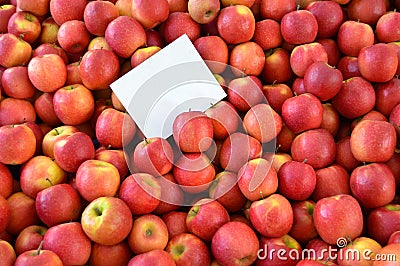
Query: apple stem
(48, 180)
(298, 7)
(146, 140)
(39, 248)
(278, 147)
(364, 163)
(275, 81)
(58, 133)
(243, 74)
(305, 160)
(261, 194)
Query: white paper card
(172, 81)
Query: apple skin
(47, 72)
(18, 144)
(39, 173)
(125, 35)
(348, 100)
(7, 253)
(302, 56)
(16, 111)
(348, 65)
(153, 156)
(344, 157)
(235, 243)
(276, 94)
(49, 31)
(188, 248)
(330, 118)
(243, 93)
(107, 220)
(50, 48)
(387, 96)
(366, 11)
(299, 27)
(73, 36)
(5, 214)
(353, 36)
(177, 6)
(203, 12)
(22, 212)
(151, 258)
(263, 215)
(6, 180)
(6, 11)
(142, 54)
(114, 128)
(73, 150)
(115, 157)
(62, 11)
(378, 63)
(148, 13)
(45, 109)
(237, 149)
(392, 251)
(248, 57)
(394, 118)
(214, 49)
(236, 24)
(277, 66)
(24, 24)
(175, 222)
(393, 164)
(328, 22)
(110, 255)
(95, 62)
(332, 50)
(323, 81)
(95, 178)
(16, 84)
(148, 233)
(377, 176)
(302, 112)
(381, 139)
(172, 195)
(38, 258)
(267, 34)
(382, 222)
(179, 23)
(296, 180)
(361, 245)
(69, 242)
(29, 238)
(205, 217)
(141, 192)
(226, 191)
(97, 15)
(53, 135)
(262, 122)
(333, 210)
(394, 238)
(303, 228)
(276, 9)
(224, 118)
(70, 98)
(257, 179)
(387, 27)
(14, 51)
(286, 242)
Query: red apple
(378, 63)
(299, 27)
(387, 27)
(95, 178)
(148, 233)
(69, 242)
(203, 12)
(49, 31)
(39, 173)
(188, 248)
(244, 92)
(47, 72)
(110, 255)
(25, 25)
(29, 238)
(73, 150)
(276, 94)
(328, 22)
(179, 23)
(322, 80)
(373, 185)
(177, 6)
(53, 135)
(267, 34)
(287, 248)
(7, 253)
(393, 164)
(387, 96)
(224, 118)
(394, 238)
(366, 11)
(353, 36)
(236, 24)
(359, 252)
(151, 258)
(172, 196)
(5, 214)
(394, 118)
(45, 109)
(14, 51)
(40, 8)
(124, 7)
(16, 111)
(148, 13)
(344, 157)
(205, 217)
(73, 36)
(355, 98)
(332, 49)
(6, 180)
(332, 221)
(99, 68)
(38, 257)
(302, 112)
(235, 243)
(303, 228)
(176, 223)
(18, 144)
(62, 11)
(115, 157)
(277, 66)
(141, 192)
(391, 253)
(276, 9)
(16, 83)
(380, 137)
(50, 48)
(382, 222)
(302, 56)
(97, 15)
(263, 215)
(142, 54)
(22, 212)
(6, 11)
(106, 220)
(248, 57)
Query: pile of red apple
(302, 154)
